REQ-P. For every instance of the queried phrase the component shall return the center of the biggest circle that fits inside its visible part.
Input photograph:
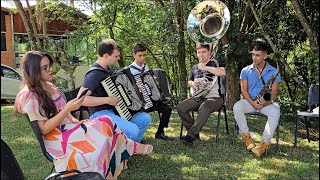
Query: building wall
(55, 27)
(7, 56)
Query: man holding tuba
(206, 24)
(259, 80)
(206, 71)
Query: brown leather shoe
(248, 141)
(260, 149)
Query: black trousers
(165, 111)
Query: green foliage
(155, 25)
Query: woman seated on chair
(88, 145)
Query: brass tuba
(207, 23)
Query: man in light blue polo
(253, 79)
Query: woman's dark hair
(107, 46)
(31, 68)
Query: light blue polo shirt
(252, 76)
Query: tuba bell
(208, 21)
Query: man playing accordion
(139, 67)
(97, 99)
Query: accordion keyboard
(117, 90)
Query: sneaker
(187, 140)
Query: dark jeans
(204, 106)
(165, 111)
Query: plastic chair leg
(218, 126)
(225, 118)
(181, 129)
(234, 133)
(296, 132)
(277, 137)
(307, 128)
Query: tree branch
(145, 44)
(304, 22)
(26, 23)
(274, 48)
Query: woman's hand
(82, 121)
(74, 104)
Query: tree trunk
(34, 26)
(64, 64)
(232, 75)
(27, 25)
(181, 51)
(233, 88)
(304, 22)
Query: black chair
(236, 128)
(82, 112)
(222, 82)
(313, 101)
(37, 132)
(10, 168)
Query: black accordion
(154, 87)
(157, 82)
(123, 86)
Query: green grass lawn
(173, 160)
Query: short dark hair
(139, 47)
(203, 45)
(261, 45)
(107, 46)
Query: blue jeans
(133, 129)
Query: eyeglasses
(47, 67)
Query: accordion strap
(136, 68)
(96, 66)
